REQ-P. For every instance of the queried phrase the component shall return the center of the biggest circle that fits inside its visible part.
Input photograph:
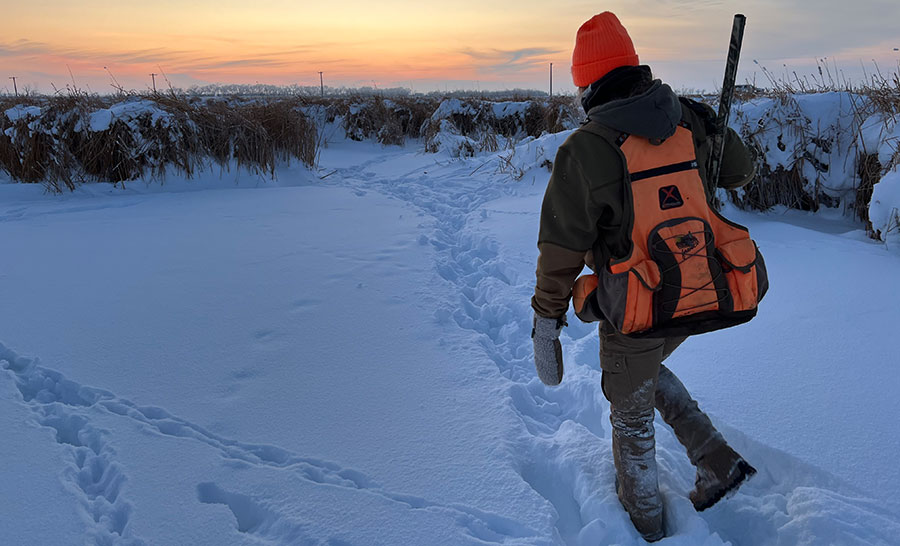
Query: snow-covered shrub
(123, 141)
(25, 148)
(454, 127)
(443, 135)
(482, 122)
(884, 208)
(61, 141)
(531, 154)
(831, 149)
(389, 121)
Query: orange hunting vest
(690, 270)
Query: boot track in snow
(560, 446)
(563, 450)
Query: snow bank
(880, 136)
(128, 112)
(482, 124)
(503, 110)
(448, 139)
(20, 111)
(884, 210)
(453, 107)
(531, 156)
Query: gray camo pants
(635, 382)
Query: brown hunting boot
(719, 473)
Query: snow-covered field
(347, 361)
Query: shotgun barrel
(731, 64)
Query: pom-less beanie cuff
(586, 74)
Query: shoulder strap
(609, 134)
(705, 113)
(703, 133)
(615, 139)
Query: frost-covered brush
(33, 144)
(251, 147)
(884, 92)
(232, 131)
(389, 120)
(562, 112)
(731, 64)
(289, 132)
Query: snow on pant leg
(692, 427)
(630, 370)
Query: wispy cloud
(159, 55)
(498, 60)
(260, 62)
(28, 48)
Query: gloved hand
(547, 349)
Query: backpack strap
(706, 114)
(615, 139)
(703, 120)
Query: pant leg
(670, 344)
(692, 427)
(630, 373)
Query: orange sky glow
(421, 45)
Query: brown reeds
(63, 145)
(60, 148)
(877, 97)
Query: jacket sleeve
(737, 163)
(568, 230)
(557, 269)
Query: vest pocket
(626, 297)
(684, 249)
(742, 262)
(584, 299)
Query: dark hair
(619, 83)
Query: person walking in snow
(629, 196)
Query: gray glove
(547, 350)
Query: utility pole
(154, 81)
(322, 84)
(15, 89)
(551, 79)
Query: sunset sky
(463, 44)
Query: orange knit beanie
(601, 45)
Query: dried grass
(60, 150)
(878, 94)
(252, 132)
(389, 121)
(257, 133)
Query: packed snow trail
(376, 327)
(560, 456)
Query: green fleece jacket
(584, 205)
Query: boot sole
(745, 472)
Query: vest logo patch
(670, 198)
(686, 243)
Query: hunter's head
(601, 45)
(605, 66)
